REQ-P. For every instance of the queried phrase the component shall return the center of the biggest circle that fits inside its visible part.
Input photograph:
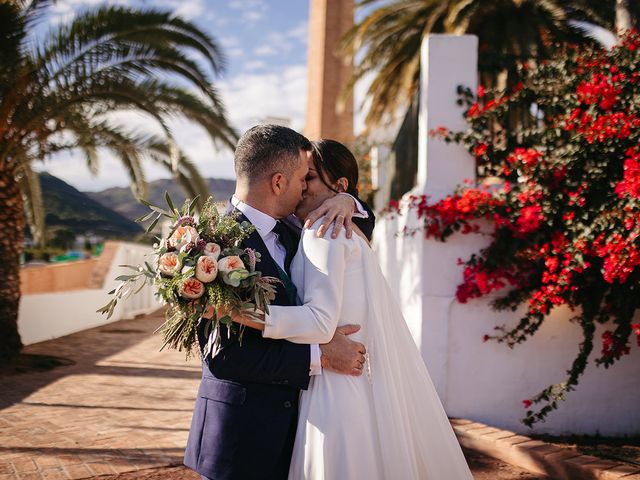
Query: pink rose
(206, 269)
(183, 236)
(169, 264)
(191, 288)
(212, 250)
(232, 262)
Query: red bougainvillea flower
(600, 90)
(636, 329)
(630, 184)
(529, 220)
(620, 253)
(525, 156)
(480, 149)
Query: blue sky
(266, 46)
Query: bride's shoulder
(310, 235)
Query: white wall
(486, 382)
(50, 315)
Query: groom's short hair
(267, 149)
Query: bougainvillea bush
(567, 211)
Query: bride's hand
(339, 208)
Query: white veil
(418, 440)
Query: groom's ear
(278, 183)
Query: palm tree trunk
(623, 16)
(11, 240)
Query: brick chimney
(327, 73)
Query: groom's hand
(342, 355)
(339, 208)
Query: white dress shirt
(264, 226)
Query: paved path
(124, 406)
(483, 468)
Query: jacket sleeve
(314, 321)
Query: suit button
(287, 404)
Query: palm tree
(509, 31)
(57, 95)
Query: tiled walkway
(123, 406)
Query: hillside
(122, 201)
(67, 207)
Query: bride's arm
(316, 320)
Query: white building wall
(486, 382)
(45, 316)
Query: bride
(387, 423)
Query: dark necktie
(285, 236)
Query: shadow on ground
(85, 350)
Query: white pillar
(427, 281)
(446, 61)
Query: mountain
(122, 200)
(67, 207)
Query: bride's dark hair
(332, 159)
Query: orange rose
(212, 250)
(183, 236)
(169, 264)
(191, 288)
(232, 262)
(206, 269)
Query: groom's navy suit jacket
(246, 411)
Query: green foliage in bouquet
(199, 268)
(566, 213)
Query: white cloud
(235, 52)
(188, 9)
(251, 10)
(280, 39)
(231, 46)
(71, 168)
(265, 51)
(300, 32)
(211, 160)
(230, 41)
(252, 97)
(254, 65)
(61, 13)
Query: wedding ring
(340, 218)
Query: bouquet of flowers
(200, 266)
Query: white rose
(212, 250)
(191, 288)
(206, 269)
(182, 236)
(169, 264)
(232, 262)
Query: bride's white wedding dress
(389, 422)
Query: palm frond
(387, 40)
(31, 191)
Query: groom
(246, 411)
